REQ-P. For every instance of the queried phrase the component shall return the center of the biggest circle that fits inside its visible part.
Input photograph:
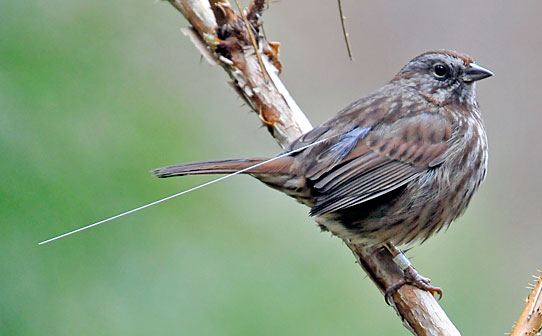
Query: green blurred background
(94, 94)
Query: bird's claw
(393, 289)
(412, 277)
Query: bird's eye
(440, 70)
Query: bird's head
(443, 77)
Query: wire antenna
(180, 193)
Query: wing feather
(387, 156)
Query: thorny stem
(530, 320)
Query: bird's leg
(411, 276)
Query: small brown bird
(396, 167)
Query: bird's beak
(475, 73)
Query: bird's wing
(370, 161)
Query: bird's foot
(412, 277)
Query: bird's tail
(212, 167)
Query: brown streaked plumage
(398, 166)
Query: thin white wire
(180, 193)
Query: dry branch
(229, 44)
(530, 320)
(345, 32)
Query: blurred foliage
(93, 95)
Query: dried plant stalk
(269, 98)
(530, 320)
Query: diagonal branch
(229, 44)
(530, 320)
